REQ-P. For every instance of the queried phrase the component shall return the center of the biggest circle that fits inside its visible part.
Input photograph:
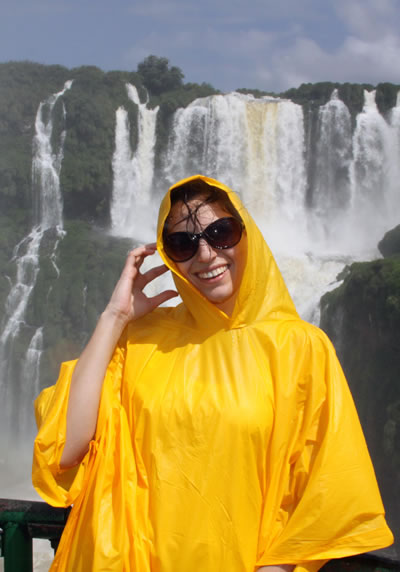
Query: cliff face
(362, 317)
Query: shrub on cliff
(158, 76)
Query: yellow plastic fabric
(222, 444)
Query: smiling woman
(206, 242)
(219, 435)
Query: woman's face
(216, 273)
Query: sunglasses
(222, 233)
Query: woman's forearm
(128, 303)
(86, 385)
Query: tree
(158, 76)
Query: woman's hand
(128, 301)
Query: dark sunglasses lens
(179, 246)
(224, 233)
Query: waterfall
(394, 157)
(46, 166)
(30, 376)
(370, 175)
(394, 121)
(133, 170)
(332, 157)
(256, 146)
(210, 136)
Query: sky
(270, 45)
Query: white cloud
(382, 56)
(232, 45)
(369, 19)
(355, 61)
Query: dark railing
(362, 563)
(21, 521)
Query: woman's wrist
(114, 318)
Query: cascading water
(242, 141)
(31, 370)
(316, 217)
(254, 145)
(133, 171)
(46, 167)
(330, 178)
(370, 175)
(257, 146)
(394, 151)
(394, 120)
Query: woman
(219, 435)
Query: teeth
(213, 273)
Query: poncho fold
(222, 443)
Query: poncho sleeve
(322, 498)
(61, 487)
(102, 488)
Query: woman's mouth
(213, 273)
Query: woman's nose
(205, 252)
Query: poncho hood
(262, 295)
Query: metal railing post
(21, 521)
(17, 548)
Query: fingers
(137, 255)
(143, 250)
(154, 273)
(162, 297)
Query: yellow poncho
(222, 444)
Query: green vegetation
(158, 76)
(91, 103)
(86, 176)
(313, 95)
(23, 85)
(256, 92)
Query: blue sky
(266, 44)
